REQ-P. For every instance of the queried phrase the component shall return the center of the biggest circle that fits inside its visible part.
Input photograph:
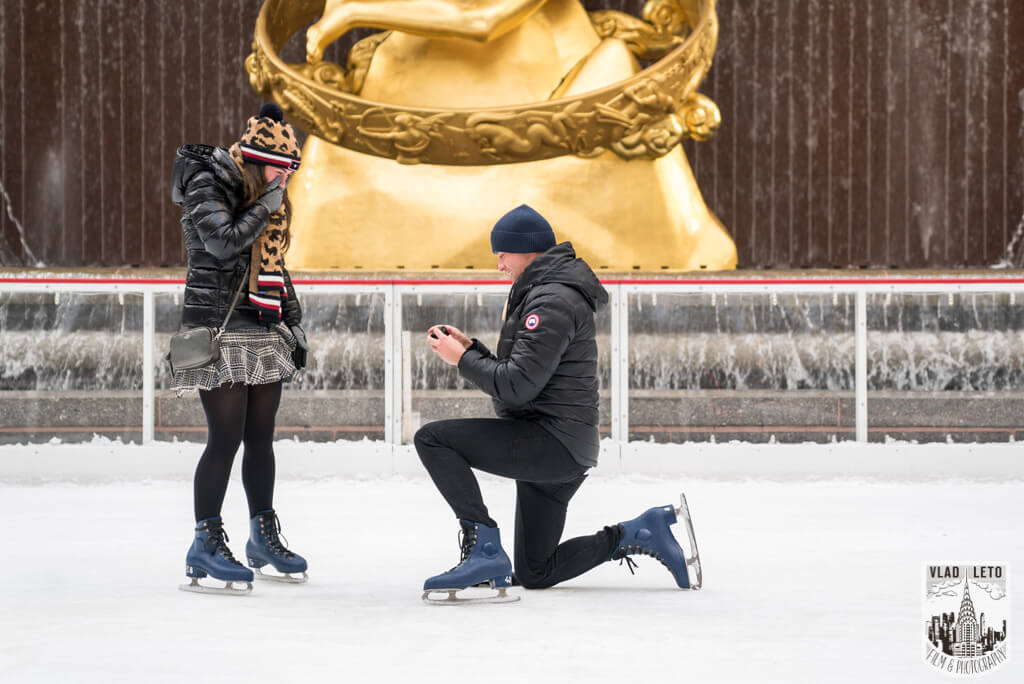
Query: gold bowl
(644, 116)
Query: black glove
(269, 318)
(301, 352)
(272, 197)
(291, 310)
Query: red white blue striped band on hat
(261, 156)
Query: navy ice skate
(210, 555)
(650, 535)
(483, 561)
(264, 546)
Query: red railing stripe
(606, 281)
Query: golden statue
(488, 104)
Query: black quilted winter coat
(546, 366)
(219, 233)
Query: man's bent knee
(422, 437)
(434, 433)
(533, 580)
(428, 438)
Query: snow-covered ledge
(103, 460)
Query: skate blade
(227, 590)
(692, 562)
(286, 578)
(453, 598)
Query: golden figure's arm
(691, 8)
(480, 20)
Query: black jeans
(546, 478)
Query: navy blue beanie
(521, 231)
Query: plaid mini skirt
(250, 356)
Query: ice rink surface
(805, 581)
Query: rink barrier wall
(397, 401)
(104, 460)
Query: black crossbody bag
(199, 347)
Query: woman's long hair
(254, 182)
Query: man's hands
(449, 342)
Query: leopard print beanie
(269, 140)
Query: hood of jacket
(560, 265)
(191, 159)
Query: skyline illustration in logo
(966, 618)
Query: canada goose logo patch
(532, 322)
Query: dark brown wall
(867, 132)
(856, 132)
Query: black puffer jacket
(219, 233)
(546, 366)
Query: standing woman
(235, 214)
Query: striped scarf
(266, 274)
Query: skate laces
(638, 550)
(219, 541)
(274, 536)
(467, 540)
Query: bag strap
(234, 301)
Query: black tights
(237, 414)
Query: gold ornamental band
(644, 116)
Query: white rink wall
(104, 460)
